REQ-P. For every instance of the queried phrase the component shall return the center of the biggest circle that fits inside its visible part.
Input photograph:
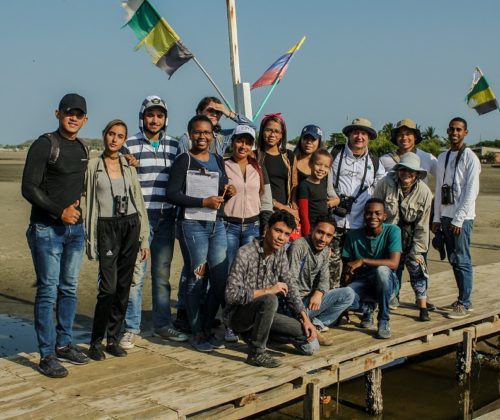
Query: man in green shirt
(371, 256)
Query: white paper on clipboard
(201, 184)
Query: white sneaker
(127, 342)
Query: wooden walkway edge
(172, 381)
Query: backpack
(55, 148)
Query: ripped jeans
(204, 247)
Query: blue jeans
(378, 285)
(239, 234)
(334, 302)
(458, 250)
(418, 279)
(57, 256)
(161, 243)
(203, 245)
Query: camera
(121, 205)
(447, 195)
(345, 206)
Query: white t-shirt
(427, 162)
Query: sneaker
(72, 354)
(458, 312)
(170, 333)
(469, 308)
(230, 336)
(384, 330)
(181, 322)
(324, 341)
(321, 328)
(115, 349)
(263, 360)
(424, 315)
(215, 342)
(127, 341)
(394, 302)
(367, 320)
(96, 352)
(201, 345)
(51, 367)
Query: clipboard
(201, 184)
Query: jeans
(333, 304)
(57, 256)
(377, 285)
(458, 250)
(239, 234)
(259, 322)
(203, 245)
(161, 243)
(418, 279)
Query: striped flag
(481, 96)
(278, 68)
(155, 34)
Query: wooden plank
(311, 401)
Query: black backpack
(55, 148)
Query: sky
(382, 60)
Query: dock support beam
(373, 391)
(464, 358)
(311, 401)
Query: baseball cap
(244, 129)
(73, 101)
(312, 130)
(154, 101)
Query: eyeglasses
(272, 131)
(197, 133)
(74, 113)
(213, 112)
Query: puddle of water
(18, 335)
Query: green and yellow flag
(481, 96)
(156, 35)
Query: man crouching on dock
(258, 285)
(371, 256)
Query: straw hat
(407, 123)
(412, 162)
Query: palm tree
(429, 133)
(386, 130)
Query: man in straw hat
(407, 136)
(355, 174)
(408, 203)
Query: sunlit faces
(320, 165)
(242, 146)
(201, 135)
(375, 215)
(406, 139)
(358, 140)
(154, 119)
(322, 235)
(309, 144)
(273, 133)
(115, 138)
(406, 177)
(212, 113)
(277, 235)
(71, 122)
(457, 133)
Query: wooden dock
(171, 381)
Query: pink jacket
(248, 202)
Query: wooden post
(464, 401)
(373, 391)
(311, 401)
(464, 358)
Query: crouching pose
(258, 285)
(371, 255)
(117, 228)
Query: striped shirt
(154, 169)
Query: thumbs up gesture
(71, 214)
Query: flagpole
(213, 83)
(278, 79)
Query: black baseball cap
(73, 101)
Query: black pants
(259, 321)
(118, 245)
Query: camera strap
(109, 178)
(459, 155)
(362, 188)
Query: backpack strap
(55, 148)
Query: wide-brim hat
(360, 124)
(406, 123)
(412, 162)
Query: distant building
(482, 153)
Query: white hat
(243, 129)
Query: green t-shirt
(155, 144)
(358, 245)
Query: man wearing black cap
(52, 182)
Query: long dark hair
(261, 144)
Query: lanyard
(109, 178)
(459, 155)
(362, 187)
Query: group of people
(284, 242)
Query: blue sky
(384, 60)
